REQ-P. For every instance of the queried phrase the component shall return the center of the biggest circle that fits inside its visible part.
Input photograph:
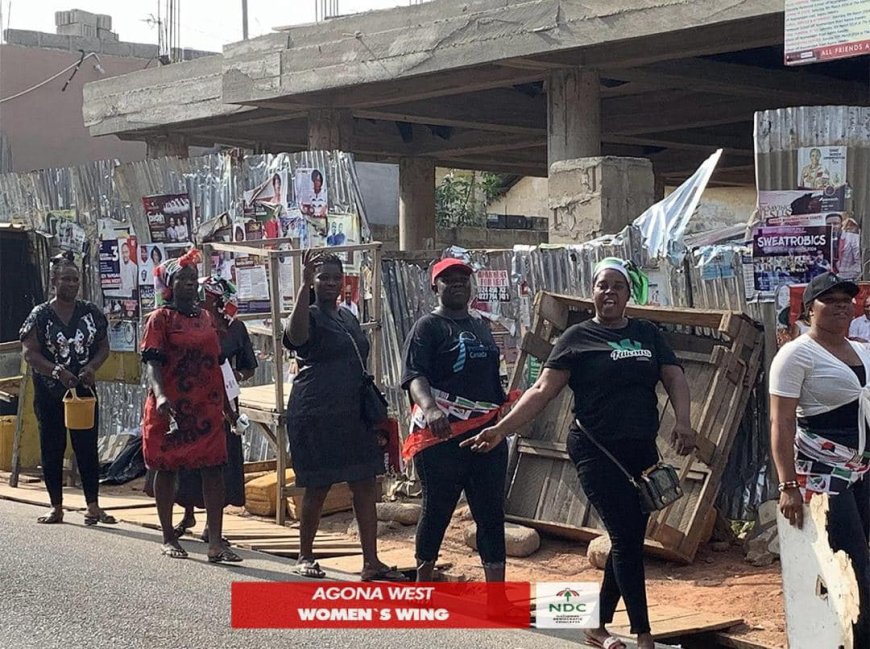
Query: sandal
(53, 517)
(224, 555)
(181, 529)
(610, 642)
(309, 568)
(173, 551)
(384, 574)
(102, 517)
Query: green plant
(462, 199)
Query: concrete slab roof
(462, 81)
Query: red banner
(353, 605)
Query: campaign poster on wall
(268, 204)
(119, 273)
(169, 217)
(309, 186)
(773, 205)
(122, 336)
(151, 255)
(789, 255)
(821, 167)
(70, 235)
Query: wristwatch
(55, 373)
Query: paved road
(70, 586)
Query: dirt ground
(716, 582)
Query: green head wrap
(637, 280)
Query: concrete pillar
(416, 204)
(659, 193)
(330, 129)
(589, 197)
(573, 114)
(170, 145)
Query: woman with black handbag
(330, 413)
(612, 364)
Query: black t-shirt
(459, 357)
(614, 373)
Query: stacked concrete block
(76, 22)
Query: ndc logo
(560, 605)
(567, 606)
(626, 348)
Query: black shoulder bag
(658, 486)
(373, 403)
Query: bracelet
(788, 484)
(55, 373)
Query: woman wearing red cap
(451, 365)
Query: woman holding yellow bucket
(65, 343)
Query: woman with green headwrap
(612, 364)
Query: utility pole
(244, 20)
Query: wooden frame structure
(721, 353)
(265, 405)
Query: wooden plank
(536, 346)
(553, 310)
(73, 499)
(261, 397)
(400, 558)
(723, 639)
(671, 621)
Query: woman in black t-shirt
(65, 342)
(612, 364)
(451, 365)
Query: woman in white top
(819, 405)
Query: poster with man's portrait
(820, 167)
(119, 271)
(151, 255)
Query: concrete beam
(472, 35)
(330, 129)
(786, 85)
(157, 98)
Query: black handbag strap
(600, 446)
(362, 364)
(618, 464)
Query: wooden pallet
(721, 353)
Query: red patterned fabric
(192, 380)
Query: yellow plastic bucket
(7, 435)
(78, 412)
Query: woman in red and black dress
(184, 412)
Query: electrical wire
(49, 80)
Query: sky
(205, 24)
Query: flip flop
(103, 518)
(51, 518)
(385, 574)
(173, 552)
(225, 555)
(610, 642)
(181, 529)
(309, 568)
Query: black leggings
(52, 442)
(618, 505)
(445, 470)
(849, 531)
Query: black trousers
(849, 531)
(445, 470)
(618, 505)
(52, 442)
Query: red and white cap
(446, 264)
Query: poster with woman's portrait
(312, 200)
(820, 167)
(150, 257)
(268, 204)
